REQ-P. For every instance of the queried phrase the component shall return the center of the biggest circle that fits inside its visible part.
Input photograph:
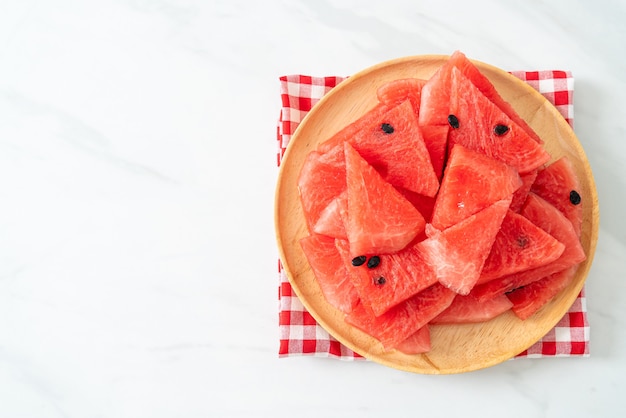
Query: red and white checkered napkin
(300, 334)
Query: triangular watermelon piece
(559, 185)
(436, 141)
(552, 221)
(330, 271)
(469, 310)
(396, 92)
(322, 178)
(529, 299)
(472, 182)
(380, 220)
(332, 219)
(480, 125)
(436, 94)
(520, 245)
(392, 143)
(457, 254)
(417, 343)
(393, 279)
(403, 320)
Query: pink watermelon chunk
(322, 178)
(332, 219)
(529, 299)
(552, 221)
(457, 254)
(398, 91)
(392, 143)
(520, 245)
(380, 220)
(469, 310)
(403, 320)
(559, 185)
(417, 343)
(436, 94)
(480, 125)
(472, 182)
(394, 279)
(330, 271)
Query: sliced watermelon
(529, 299)
(398, 91)
(552, 221)
(480, 125)
(330, 271)
(392, 143)
(436, 141)
(395, 277)
(519, 197)
(332, 219)
(468, 310)
(380, 220)
(472, 182)
(457, 254)
(322, 178)
(403, 320)
(424, 204)
(417, 343)
(559, 185)
(520, 245)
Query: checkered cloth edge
(301, 335)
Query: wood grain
(455, 348)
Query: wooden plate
(455, 348)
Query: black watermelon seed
(358, 261)
(574, 197)
(522, 241)
(453, 121)
(379, 281)
(374, 261)
(387, 128)
(500, 130)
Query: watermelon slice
(417, 343)
(332, 219)
(558, 184)
(436, 141)
(380, 220)
(480, 125)
(392, 143)
(471, 183)
(394, 278)
(322, 178)
(519, 197)
(529, 299)
(330, 271)
(469, 310)
(520, 245)
(436, 92)
(398, 91)
(552, 221)
(457, 254)
(403, 320)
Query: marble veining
(137, 174)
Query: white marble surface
(137, 171)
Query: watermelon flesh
(392, 143)
(558, 185)
(520, 245)
(477, 129)
(417, 343)
(397, 277)
(330, 271)
(469, 310)
(403, 320)
(519, 197)
(457, 254)
(529, 299)
(380, 220)
(332, 218)
(471, 183)
(398, 91)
